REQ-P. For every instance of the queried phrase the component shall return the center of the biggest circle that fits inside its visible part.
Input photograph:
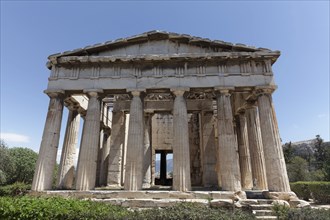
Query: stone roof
(157, 35)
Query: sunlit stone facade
(209, 103)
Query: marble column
(67, 167)
(275, 164)
(117, 142)
(147, 152)
(244, 153)
(181, 157)
(99, 154)
(228, 148)
(134, 156)
(124, 153)
(43, 175)
(208, 149)
(87, 162)
(105, 157)
(256, 149)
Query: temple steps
(263, 209)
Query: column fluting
(43, 175)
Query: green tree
(320, 152)
(288, 152)
(24, 160)
(298, 169)
(326, 164)
(6, 164)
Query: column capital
(179, 91)
(149, 111)
(93, 92)
(224, 90)
(240, 110)
(53, 93)
(250, 103)
(135, 91)
(261, 90)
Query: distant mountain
(304, 149)
(169, 167)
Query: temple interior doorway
(164, 167)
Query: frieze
(159, 71)
(159, 97)
(122, 97)
(200, 95)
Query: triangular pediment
(158, 42)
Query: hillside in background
(308, 160)
(169, 167)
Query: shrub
(308, 214)
(301, 189)
(57, 208)
(191, 211)
(70, 209)
(281, 211)
(16, 189)
(319, 191)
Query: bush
(16, 189)
(281, 211)
(285, 213)
(308, 214)
(318, 191)
(301, 189)
(191, 211)
(27, 207)
(57, 208)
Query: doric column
(66, 169)
(228, 148)
(43, 175)
(104, 157)
(87, 164)
(99, 154)
(147, 152)
(117, 142)
(134, 156)
(244, 153)
(209, 157)
(181, 158)
(256, 149)
(275, 164)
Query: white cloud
(12, 137)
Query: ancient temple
(207, 103)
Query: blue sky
(32, 30)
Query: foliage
(319, 152)
(288, 152)
(297, 169)
(60, 208)
(16, 189)
(24, 160)
(318, 191)
(308, 161)
(285, 213)
(191, 211)
(57, 208)
(7, 166)
(281, 211)
(326, 166)
(16, 164)
(308, 214)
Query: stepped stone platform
(256, 202)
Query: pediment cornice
(272, 55)
(217, 45)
